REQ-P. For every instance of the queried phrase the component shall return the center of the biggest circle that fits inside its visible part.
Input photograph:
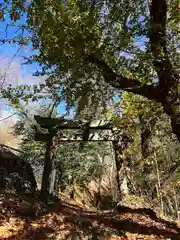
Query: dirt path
(70, 221)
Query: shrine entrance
(50, 129)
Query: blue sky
(9, 52)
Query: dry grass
(7, 137)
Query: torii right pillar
(120, 144)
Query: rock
(26, 209)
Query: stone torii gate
(98, 130)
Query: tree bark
(168, 77)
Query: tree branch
(124, 83)
(168, 77)
(4, 118)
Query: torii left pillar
(48, 163)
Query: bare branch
(3, 77)
(4, 118)
(53, 107)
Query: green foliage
(68, 33)
(76, 167)
(71, 35)
(162, 146)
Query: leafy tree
(153, 159)
(94, 49)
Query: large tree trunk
(168, 77)
(173, 112)
(166, 91)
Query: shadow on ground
(71, 221)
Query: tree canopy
(91, 50)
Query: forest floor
(67, 220)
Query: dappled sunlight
(65, 219)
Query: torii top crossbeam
(61, 123)
(64, 124)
